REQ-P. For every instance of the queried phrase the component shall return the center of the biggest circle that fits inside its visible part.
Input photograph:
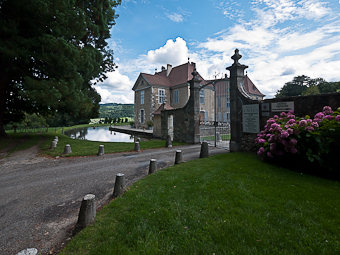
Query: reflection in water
(101, 134)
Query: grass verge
(87, 148)
(21, 141)
(17, 142)
(226, 204)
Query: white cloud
(277, 43)
(275, 53)
(175, 17)
(116, 88)
(173, 52)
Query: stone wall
(183, 96)
(303, 105)
(186, 120)
(209, 103)
(157, 127)
(155, 97)
(147, 106)
(150, 104)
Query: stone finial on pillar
(236, 57)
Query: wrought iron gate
(215, 113)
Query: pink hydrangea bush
(312, 138)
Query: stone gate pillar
(193, 108)
(236, 86)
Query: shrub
(149, 123)
(314, 140)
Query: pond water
(101, 134)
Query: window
(142, 119)
(161, 96)
(206, 116)
(224, 117)
(176, 96)
(202, 96)
(219, 101)
(142, 97)
(219, 116)
(228, 103)
(228, 116)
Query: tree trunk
(2, 104)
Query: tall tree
(51, 53)
(294, 87)
(301, 85)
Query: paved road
(40, 197)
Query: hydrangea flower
(281, 133)
(327, 110)
(302, 123)
(329, 117)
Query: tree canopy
(304, 85)
(52, 52)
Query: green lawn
(21, 141)
(86, 148)
(226, 204)
(212, 138)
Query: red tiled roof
(250, 87)
(156, 79)
(164, 106)
(182, 74)
(178, 75)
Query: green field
(115, 110)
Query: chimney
(163, 68)
(168, 70)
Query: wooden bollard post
(137, 146)
(119, 185)
(152, 166)
(101, 150)
(67, 149)
(179, 157)
(204, 150)
(87, 212)
(168, 143)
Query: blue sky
(279, 39)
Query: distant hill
(115, 110)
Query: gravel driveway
(40, 197)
